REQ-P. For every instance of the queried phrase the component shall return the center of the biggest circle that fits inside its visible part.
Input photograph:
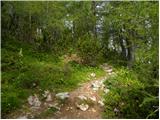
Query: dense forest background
(123, 34)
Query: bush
(89, 50)
(129, 96)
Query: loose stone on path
(34, 101)
(62, 95)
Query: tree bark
(130, 56)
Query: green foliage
(88, 49)
(129, 96)
(12, 98)
(23, 75)
(36, 34)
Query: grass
(26, 73)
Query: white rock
(55, 105)
(34, 84)
(106, 91)
(62, 95)
(96, 85)
(93, 98)
(109, 73)
(82, 97)
(101, 103)
(93, 75)
(102, 87)
(34, 101)
(95, 89)
(109, 70)
(49, 98)
(83, 107)
(45, 93)
(116, 110)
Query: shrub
(129, 96)
(89, 50)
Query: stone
(101, 103)
(34, 101)
(45, 93)
(55, 105)
(62, 95)
(49, 98)
(93, 110)
(109, 70)
(82, 97)
(34, 84)
(93, 98)
(95, 89)
(102, 86)
(116, 110)
(109, 73)
(93, 75)
(83, 106)
(106, 91)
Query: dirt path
(84, 103)
(88, 90)
(71, 111)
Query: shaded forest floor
(42, 85)
(26, 73)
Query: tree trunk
(124, 54)
(131, 50)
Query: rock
(106, 91)
(34, 84)
(34, 101)
(49, 98)
(54, 106)
(93, 75)
(62, 95)
(45, 104)
(45, 93)
(93, 98)
(109, 73)
(116, 110)
(109, 70)
(82, 97)
(93, 110)
(102, 87)
(101, 103)
(69, 108)
(83, 107)
(96, 85)
(95, 89)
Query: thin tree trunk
(131, 56)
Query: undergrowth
(128, 97)
(25, 71)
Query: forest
(80, 59)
